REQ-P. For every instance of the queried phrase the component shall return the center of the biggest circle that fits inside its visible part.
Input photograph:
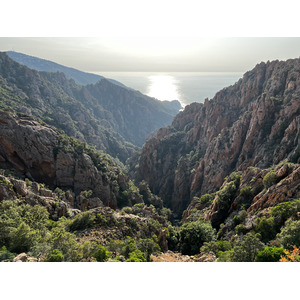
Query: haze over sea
(187, 87)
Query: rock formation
(39, 152)
(255, 122)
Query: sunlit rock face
(255, 122)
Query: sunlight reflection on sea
(187, 87)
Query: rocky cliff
(41, 153)
(255, 122)
(110, 117)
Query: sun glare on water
(163, 87)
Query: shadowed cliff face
(255, 122)
(40, 153)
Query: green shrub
(22, 238)
(267, 228)
(238, 219)
(285, 210)
(206, 199)
(66, 242)
(269, 179)
(216, 247)
(55, 256)
(246, 192)
(82, 221)
(148, 246)
(269, 254)
(224, 256)
(289, 235)
(173, 238)
(225, 195)
(192, 235)
(136, 256)
(241, 229)
(6, 255)
(246, 250)
(101, 253)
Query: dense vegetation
(107, 216)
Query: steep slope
(39, 64)
(102, 115)
(248, 196)
(255, 122)
(39, 152)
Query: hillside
(252, 123)
(111, 118)
(39, 64)
(59, 197)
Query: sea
(186, 87)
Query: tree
(22, 238)
(289, 235)
(192, 235)
(269, 254)
(101, 253)
(147, 246)
(246, 251)
(269, 179)
(65, 242)
(267, 228)
(55, 256)
(136, 256)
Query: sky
(156, 54)
(153, 36)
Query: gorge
(129, 178)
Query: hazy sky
(157, 54)
(156, 35)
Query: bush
(206, 199)
(82, 221)
(216, 247)
(269, 179)
(136, 256)
(267, 229)
(65, 242)
(22, 238)
(285, 210)
(101, 254)
(291, 256)
(269, 254)
(246, 251)
(55, 256)
(173, 238)
(289, 235)
(241, 229)
(6, 255)
(246, 192)
(148, 246)
(192, 235)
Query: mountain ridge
(39, 64)
(79, 111)
(252, 123)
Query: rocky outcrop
(255, 122)
(23, 257)
(247, 196)
(31, 193)
(42, 154)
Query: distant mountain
(39, 64)
(111, 118)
